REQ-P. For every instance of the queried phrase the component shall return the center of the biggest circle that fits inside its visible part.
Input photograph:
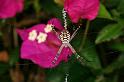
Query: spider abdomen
(65, 36)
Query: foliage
(102, 50)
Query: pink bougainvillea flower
(40, 44)
(85, 9)
(9, 8)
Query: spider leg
(74, 33)
(58, 53)
(57, 34)
(81, 59)
(72, 49)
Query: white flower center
(32, 35)
(41, 37)
(48, 28)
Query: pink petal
(24, 33)
(53, 38)
(66, 52)
(9, 8)
(56, 22)
(85, 9)
(20, 5)
(36, 53)
(44, 53)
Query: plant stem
(85, 35)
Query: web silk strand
(64, 18)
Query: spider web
(84, 51)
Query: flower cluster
(40, 44)
(85, 9)
(42, 36)
(9, 8)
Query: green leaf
(78, 73)
(14, 56)
(118, 46)
(111, 3)
(54, 78)
(121, 7)
(115, 65)
(57, 74)
(37, 6)
(51, 8)
(88, 52)
(111, 31)
(103, 13)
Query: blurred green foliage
(103, 50)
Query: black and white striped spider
(65, 38)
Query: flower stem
(85, 35)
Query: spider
(65, 38)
